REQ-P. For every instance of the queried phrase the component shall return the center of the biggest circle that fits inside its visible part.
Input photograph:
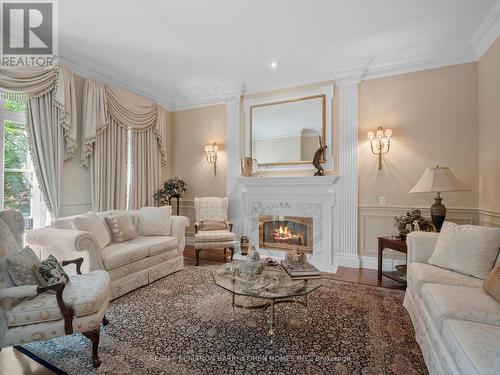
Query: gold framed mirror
(287, 132)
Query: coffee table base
(264, 306)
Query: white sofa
(457, 324)
(130, 264)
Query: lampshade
(437, 180)
(370, 135)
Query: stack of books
(303, 272)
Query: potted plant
(404, 223)
(172, 188)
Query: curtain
(105, 110)
(51, 103)
(46, 146)
(31, 83)
(109, 168)
(146, 169)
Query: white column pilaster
(348, 172)
(233, 134)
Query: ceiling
(191, 52)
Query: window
(18, 186)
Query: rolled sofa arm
(179, 225)
(420, 246)
(67, 240)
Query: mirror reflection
(287, 132)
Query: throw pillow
(92, 223)
(491, 283)
(49, 271)
(213, 225)
(154, 221)
(20, 267)
(468, 249)
(121, 228)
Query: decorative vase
(248, 167)
(244, 245)
(438, 213)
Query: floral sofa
(130, 264)
(457, 324)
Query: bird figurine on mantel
(318, 155)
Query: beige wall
(489, 134)
(433, 115)
(192, 129)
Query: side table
(393, 244)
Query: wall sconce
(380, 143)
(211, 155)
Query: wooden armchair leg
(197, 251)
(232, 253)
(93, 336)
(225, 258)
(105, 321)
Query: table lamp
(438, 180)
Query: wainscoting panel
(489, 218)
(375, 221)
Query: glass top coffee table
(273, 285)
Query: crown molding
(488, 31)
(225, 93)
(412, 63)
(106, 76)
(347, 70)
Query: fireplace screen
(286, 232)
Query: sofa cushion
(422, 273)
(155, 221)
(118, 254)
(472, 346)
(468, 249)
(94, 224)
(458, 302)
(86, 293)
(491, 283)
(156, 244)
(214, 236)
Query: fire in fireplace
(286, 232)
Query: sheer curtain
(50, 94)
(110, 116)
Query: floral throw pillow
(20, 267)
(121, 228)
(49, 271)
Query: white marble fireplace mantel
(307, 196)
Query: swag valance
(122, 131)
(32, 83)
(135, 113)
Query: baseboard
(348, 260)
(371, 263)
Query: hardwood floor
(13, 362)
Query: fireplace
(286, 232)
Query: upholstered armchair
(30, 313)
(211, 226)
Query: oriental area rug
(184, 324)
